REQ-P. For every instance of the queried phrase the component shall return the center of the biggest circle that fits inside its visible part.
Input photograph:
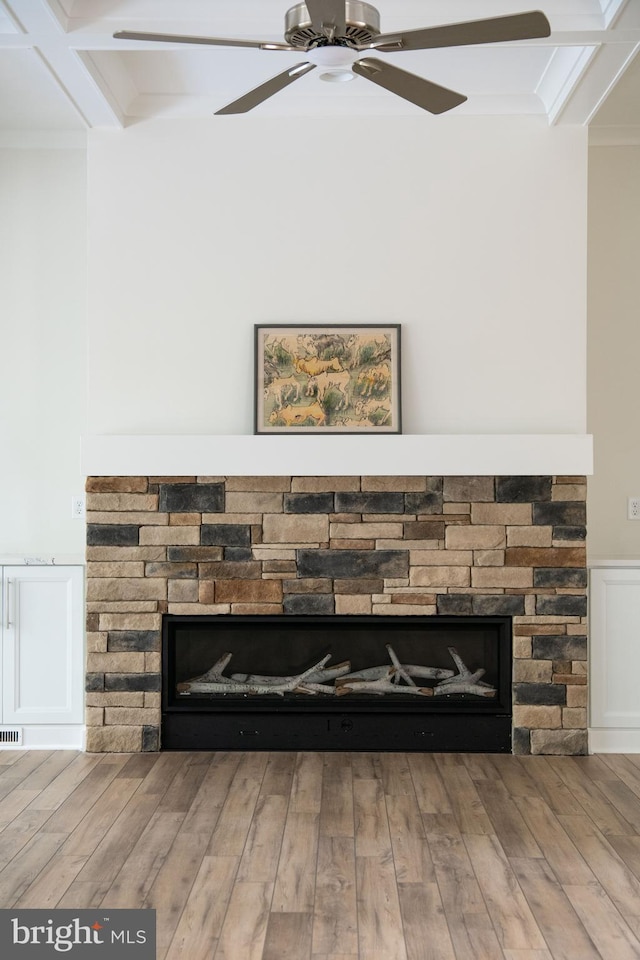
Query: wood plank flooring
(337, 856)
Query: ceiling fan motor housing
(362, 26)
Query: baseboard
(68, 736)
(614, 740)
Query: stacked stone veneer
(343, 545)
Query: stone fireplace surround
(415, 545)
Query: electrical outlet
(633, 508)
(77, 507)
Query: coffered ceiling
(62, 72)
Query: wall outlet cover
(633, 508)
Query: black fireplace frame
(433, 724)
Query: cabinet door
(615, 650)
(42, 645)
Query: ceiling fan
(334, 33)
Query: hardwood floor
(337, 856)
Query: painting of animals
(327, 379)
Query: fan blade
(266, 90)
(422, 92)
(212, 41)
(327, 15)
(519, 26)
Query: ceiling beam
(600, 75)
(42, 31)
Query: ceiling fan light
(332, 57)
(337, 76)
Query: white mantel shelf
(347, 455)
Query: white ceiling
(61, 71)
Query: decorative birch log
(400, 672)
(369, 673)
(225, 685)
(318, 676)
(465, 681)
(315, 688)
(381, 686)
(427, 673)
(477, 689)
(406, 671)
(396, 677)
(214, 674)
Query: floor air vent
(10, 736)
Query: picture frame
(328, 378)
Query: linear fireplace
(336, 683)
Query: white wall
(42, 386)
(471, 233)
(614, 348)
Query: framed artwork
(334, 378)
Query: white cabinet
(614, 621)
(43, 653)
